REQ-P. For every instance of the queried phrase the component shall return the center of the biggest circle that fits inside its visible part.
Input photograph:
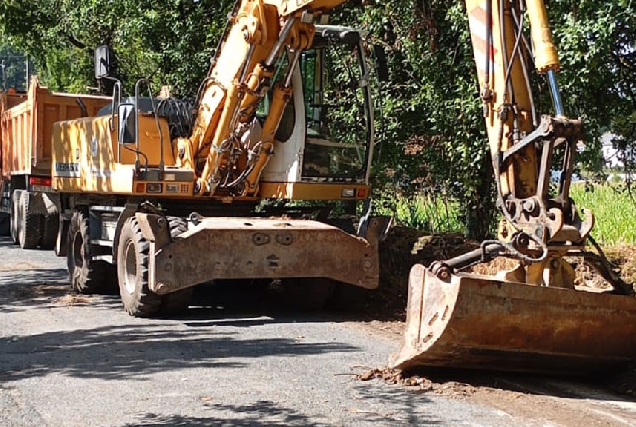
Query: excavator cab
(338, 110)
(330, 118)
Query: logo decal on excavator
(67, 170)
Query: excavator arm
(225, 150)
(530, 318)
(536, 224)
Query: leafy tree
(13, 66)
(433, 137)
(170, 41)
(597, 42)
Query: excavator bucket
(482, 322)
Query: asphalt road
(75, 361)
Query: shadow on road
(31, 289)
(135, 352)
(406, 409)
(198, 338)
(259, 413)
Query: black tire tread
(5, 225)
(177, 226)
(93, 277)
(49, 231)
(31, 224)
(15, 216)
(176, 302)
(144, 302)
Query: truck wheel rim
(131, 268)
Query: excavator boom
(531, 318)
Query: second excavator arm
(538, 227)
(530, 318)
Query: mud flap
(480, 322)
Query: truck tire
(86, 275)
(30, 224)
(15, 216)
(61, 243)
(132, 272)
(5, 224)
(50, 230)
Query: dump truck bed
(27, 126)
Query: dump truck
(532, 317)
(26, 120)
(8, 99)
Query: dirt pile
(624, 257)
(420, 383)
(403, 248)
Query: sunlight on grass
(613, 210)
(425, 213)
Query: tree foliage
(433, 135)
(169, 41)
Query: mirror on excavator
(126, 119)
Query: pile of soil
(403, 248)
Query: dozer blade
(480, 322)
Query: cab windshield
(337, 113)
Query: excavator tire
(177, 226)
(86, 276)
(30, 226)
(176, 302)
(132, 272)
(15, 216)
(50, 230)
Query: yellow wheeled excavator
(240, 185)
(530, 318)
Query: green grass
(425, 213)
(613, 209)
(614, 212)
